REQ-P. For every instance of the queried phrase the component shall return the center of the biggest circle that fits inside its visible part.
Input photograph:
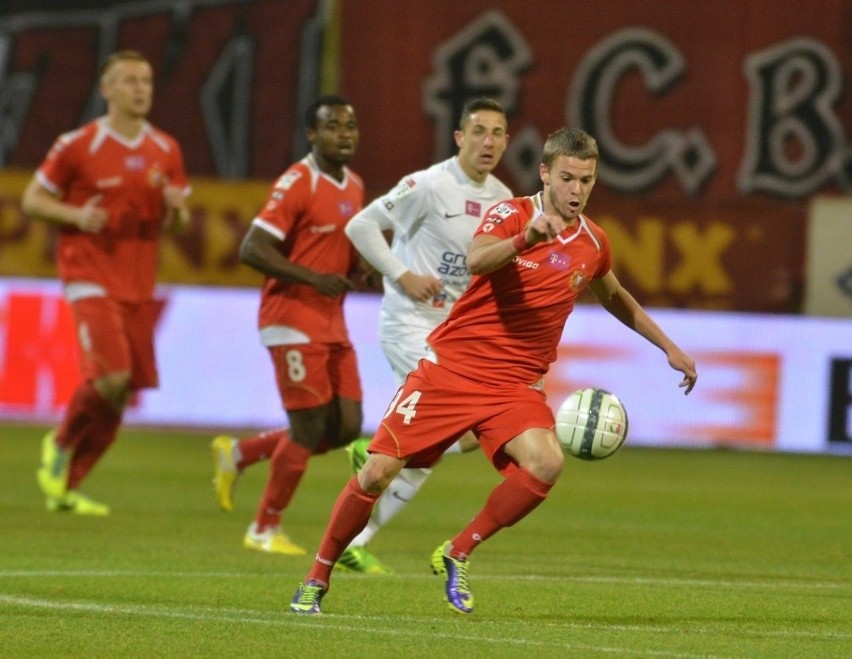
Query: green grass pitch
(652, 553)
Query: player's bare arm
(259, 250)
(618, 301)
(40, 202)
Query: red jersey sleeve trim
(269, 228)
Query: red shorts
(311, 374)
(117, 336)
(434, 407)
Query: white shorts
(403, 347)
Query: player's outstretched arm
(621, 304)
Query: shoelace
(310, 594)
(461, 575)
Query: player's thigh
(346, 388)
(349, 422)
(343, 372)
(513, 412)
(140, 322)
(302, 375)
(309, 427)
(104, 346)
(429, 412)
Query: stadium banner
(828, 280)
(766, 382)
(692, 130)
(206, 253)
(717, 255)
(670, 254)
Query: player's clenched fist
(91, 218)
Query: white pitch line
(250, 616)
(328, 622)
(637, 581)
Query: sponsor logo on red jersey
(558, 260)
(135, 163)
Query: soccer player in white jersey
(432, 215)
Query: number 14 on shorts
(407, 407)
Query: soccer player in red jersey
(530, 257)
(298, 242)
(111, 187)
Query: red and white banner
(765, 382)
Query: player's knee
(308, 427)
(378, 472)
(115, 388)
(552, 466)
(546, 464)
(468, 442)
(350, 429)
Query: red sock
(348, 518)
(87, 430)
(260, 447)
(83, 410)
(509, 502)
(286, 468)
(92, 447)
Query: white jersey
(433, 214)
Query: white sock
(401, 490)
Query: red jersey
(505, 328)
(129, 175)
(308, 209)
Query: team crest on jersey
(346, 208)
(155, 175)
(503, 210)
(576, 280)
(473, 208)
(287, 179)
(402, 190)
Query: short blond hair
(121, 56)
(572, 142)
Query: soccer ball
(591, 424)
